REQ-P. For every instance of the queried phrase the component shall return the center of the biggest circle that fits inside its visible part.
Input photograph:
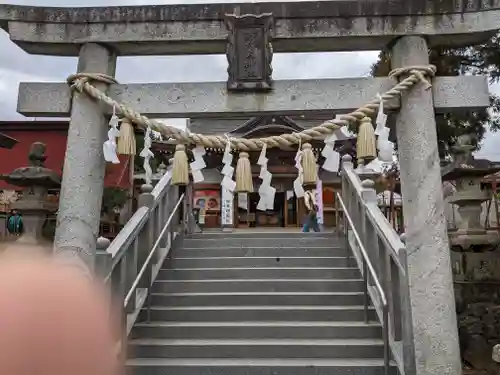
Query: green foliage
(480, 59)
(113, 197)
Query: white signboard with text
(227, 208)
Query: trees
(479, 59)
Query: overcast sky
(17, 66)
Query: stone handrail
(155, 226)
(388, 254)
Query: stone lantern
(468, 174)
(34, 206)
(475, 265)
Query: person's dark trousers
(310, 225)
(314, 226)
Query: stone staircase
(258, 303)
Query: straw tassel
(310, 169)
(244, 182)
(180, 168)
(126, 141)
(366, 147)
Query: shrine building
(288, 210)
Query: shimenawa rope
(82, 83)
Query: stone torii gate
(408, 28)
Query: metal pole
(365, 290)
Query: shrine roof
(283, 124)
(272, 125)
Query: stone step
(258, 313)
(257, 299)
(261, 251)
(254, 241)
(218, 235)
(257, 330)
(250, 261)
(256, 348)
(257, 285)
(275, 366)
(258, 273)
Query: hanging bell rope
(180, 168)
(366, 146)
(244, 182)
(126, 140)
(309, 166)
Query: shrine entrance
(422, 330)
(274, 218)
(289, 211)
(284, 212)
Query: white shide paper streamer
(228, 171)
(109, 147)
(198, 164)
(332, 157)
(384, 146)
(266, 191)
(147, 154)
(298, 187)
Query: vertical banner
(319, 201)
(227, 208)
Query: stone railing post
(368, 193)
(146, 199)
(146, 237)
(429, 270)
(103, 259)
(165, 209)
(406, 321)
(346, 164)
(192, 225)
(162, 169)
(368, 233)
(188, 217)
(162, 211)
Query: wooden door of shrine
(294, 210)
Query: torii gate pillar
(429, 271)
(84, 166)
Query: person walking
(311, 221)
